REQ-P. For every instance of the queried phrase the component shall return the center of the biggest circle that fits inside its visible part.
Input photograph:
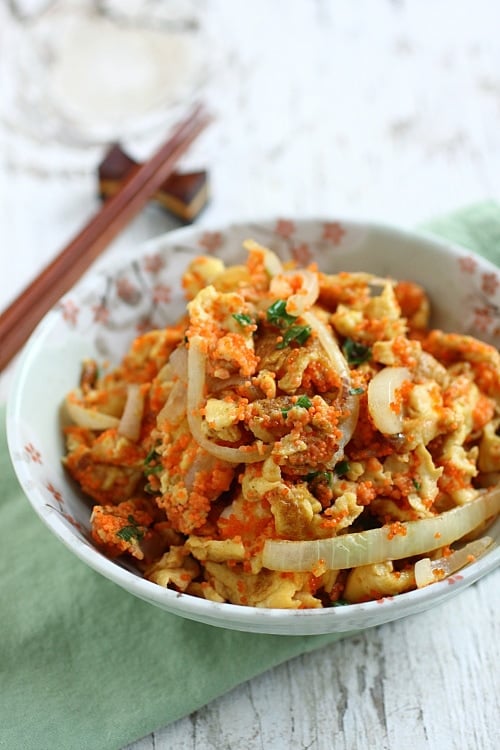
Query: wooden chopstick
(20, 318)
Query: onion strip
(382, 394)
(272, 263)
(350, 401)
(302, 300)
(429, 571)
(130, 422)
(88, 418)
(378, 545)
(197, 361)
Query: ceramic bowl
(100, 317)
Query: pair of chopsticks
(19, 320)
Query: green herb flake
(278, 315)
(304, 402)
(299, 334)
(340, 603)
(356, 391)
(356, 353)
(243, 319)
(417, 484)
(152, 455)
(342, 468)
(130, 533)
(150, 465)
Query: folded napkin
(83, 664)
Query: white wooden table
(377, 109)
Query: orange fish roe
(402, 395)
(175, 451)
(186, 511)
(253, 528)
(396, 529)
(148, 354)
(120, 528)
(411, 298)
(367, 441)
(374, 329)
(365, 492)
(452, 479)
(320, 379)
(280, 457)
(404, 351)
(257, 269)
(232, 349)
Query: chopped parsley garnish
(278, 315)
(341, 468)
(356, 353)
(339, 603)
(417, 484)
(303, 401)
(129, 533)
(152, 455)
(150, 465)
(356, 391)
(243, 319)
(300, 334)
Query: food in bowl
(296, 440)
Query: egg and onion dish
(296, 440)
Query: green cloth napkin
(83, 664)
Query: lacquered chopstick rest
(183, 194)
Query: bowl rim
(226, 614)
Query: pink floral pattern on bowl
(100, 317)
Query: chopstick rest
(183, 194)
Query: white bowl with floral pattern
(100, 317)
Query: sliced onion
(178, 362)
(429, 571)
(130, 422)
(88, 418)
(174, 409)
(272, 263)
(300, 301)
(378, 545)
(176, 366)
(350, 400)
(195, 402)
(382, 396)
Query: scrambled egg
(250, 420)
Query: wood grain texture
(386, 110)
(429, 681)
